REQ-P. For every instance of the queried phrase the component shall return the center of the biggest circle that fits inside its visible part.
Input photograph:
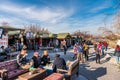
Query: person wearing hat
(22, 61)
(59, 63)
(36, 60)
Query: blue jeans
(117, 59)
(102, 51)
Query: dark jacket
(59, 63)
(36, 61)
(21, 60)
(45, 60)
(117, 53)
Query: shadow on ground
(92, 73)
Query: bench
(12, 69)
(73, 69)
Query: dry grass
(112, 43)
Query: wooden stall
(65, 36)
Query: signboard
(1, 32)
(45, 35)
(29, 35)
(4, 40)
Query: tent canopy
(9, 28)
(50, 35)
(63, 35)
(13, 32)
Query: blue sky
(59, 15)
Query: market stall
(65, 36)
(9, 35)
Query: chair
(72, 70)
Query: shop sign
(4, 40)
(29, 35)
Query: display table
(49, 68)
(39, 75)
(55, 76)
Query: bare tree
(84, 34)
(116, 24)
(36, 29)
(4, 23)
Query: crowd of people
(103, 46)
(36, 59)
(99, 50)
(6, 50)
(81, 52)
(39, 61)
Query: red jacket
(105, 44)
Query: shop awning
(52, 35)
(63, 35)
(45, 35)
(13, 32)
(9, 28)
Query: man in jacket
(59, 63)
(36, 60)
(22, 61)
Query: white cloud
(42, 14)
(13, 21)
(103, 6)
(96, 9)
(53, 19)
(56, 20)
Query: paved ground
(104, 71)
(90, 70)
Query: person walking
(80, 53)
(117, 54)
(64, 46)
(106, 45)
(85, 51)
(99, 46)
(98, 53)
(75, 50)
(17, 46)
(102, 49)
